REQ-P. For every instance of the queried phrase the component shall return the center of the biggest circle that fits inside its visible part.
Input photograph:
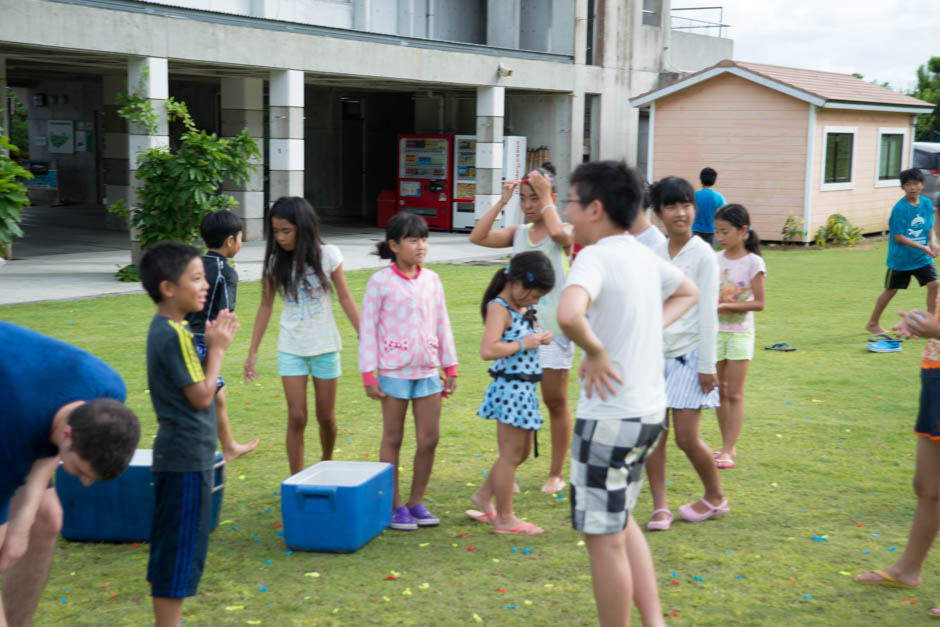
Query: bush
(178, 188)
(792, 230)
(13, 194)
(839, 230)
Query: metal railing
(700, 23)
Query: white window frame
(832, 187)
(889, 130)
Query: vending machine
(465, 171)
(514, 161)
(426, 179)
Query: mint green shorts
(736, 346)
(323, 366)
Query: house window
(838, 158)
(890, 151)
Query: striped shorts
(607, 458)
(682, 388)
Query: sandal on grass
(780, 346)
(660, 525)
(886, 580)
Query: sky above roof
(884, 40)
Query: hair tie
(529, 276)
(750, 230)
(506, 270)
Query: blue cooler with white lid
(336, 507)
(121, 510)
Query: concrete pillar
(502, 23)
(286, 144)
(147, 77)
(489, 161)
(4, 114)
(243, 108)
(114, 153)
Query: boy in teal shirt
(911, 248)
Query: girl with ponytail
(741, 274)
(512, 339)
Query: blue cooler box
(336, 507)
(120, 510)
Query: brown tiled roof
(830, 86)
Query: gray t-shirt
(185, 436)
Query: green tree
(178, 187)
(13, 196)
(928, 89)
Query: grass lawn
(821, 491)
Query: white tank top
(547, 308)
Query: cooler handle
(221, 485)
(317, 490)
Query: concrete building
(326, 85)
(786, 141)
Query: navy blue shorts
(201, 351)
(5, 511)
(928, 417)
(179, 536)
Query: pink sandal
(660, 525)
(690, 515)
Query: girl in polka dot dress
(511, 338)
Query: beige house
(785, 141)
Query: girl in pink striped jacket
(404, 338)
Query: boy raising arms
(222, 233)
(184, 449)
(618, 297)
(911, 247)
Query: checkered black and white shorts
(607, 458)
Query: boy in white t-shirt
(618, 297)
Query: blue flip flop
(884, 346)
(781, 346)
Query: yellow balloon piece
(845, 572)
(253, 622)
(234, 608)
(312, 574)
(423, 544)
(386, 599)
(495, 560)
(241, 477)
(454, 545)
(477, 618)
(580, 542)
(424, 586)
(549, 585)
(527, 602)
(406, 592)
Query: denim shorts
(323, 366)
(410, 388)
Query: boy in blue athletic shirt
(183, 400)
(222, 233)
(911, 248)
(707, 201)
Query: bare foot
(522, 529)
(874, 328)
(485, 505)
(553, 484)
(885, 577)
(237, 450)
(934, 612)
(504, 524)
